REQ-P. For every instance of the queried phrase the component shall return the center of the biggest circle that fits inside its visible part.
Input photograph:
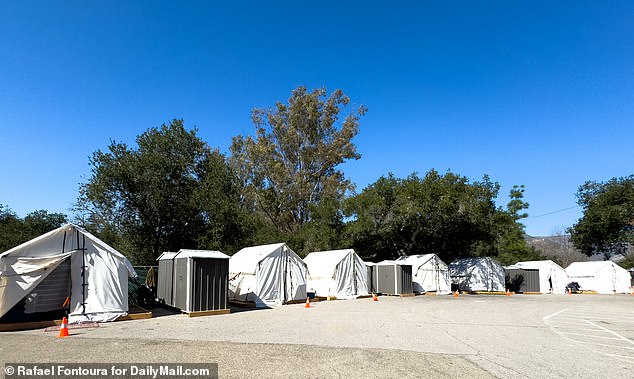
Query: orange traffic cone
(63, 330)
(508, 294)
(374, 297)
(455, 294)
(569, 291)
(307, 303)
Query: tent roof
(38, 246)
(418, 260)
(545, 264)
(588, 268)
(416, 257)
(322, 264)
(467, 264)
(474, 259)
(247, 259)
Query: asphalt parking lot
(522, 336)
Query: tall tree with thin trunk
(292, 163)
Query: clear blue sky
(534, 93)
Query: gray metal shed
(194, 280)
(522, 279)
(392, 278)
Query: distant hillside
(558, 248)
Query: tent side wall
(279, 277)
(431, 276)
(101, 294)
(608, 279)
(482, 274)
(350, 277)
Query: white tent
(339, 273)
(95, 276)
(552, 277)
(429, 273)
(478, 274)
(267, 275)
(601, 276)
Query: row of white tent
(485, 274)
(274, 274)
(69, 260)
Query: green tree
(510, 246)
(11, 229)
(291, 165)
(442, 214)
(40, 222)
(171, 192)
(15, 231)
(325, 230)
(374, 230)
(607, 225)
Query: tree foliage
(510, 246)
(171, 192)
(441, 214)
(289, 171)
(15, 230)
(607, 225)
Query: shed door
(386, 279)
(180, 283)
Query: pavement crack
(496, 362)
(477, 351)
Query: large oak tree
(169, 193)
(607, 225)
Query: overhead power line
(553, 212)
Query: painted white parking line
(620, 356)
(612, 332)
(566, 322)
(581, 329)
(576, 325)
(599, 318)
(590, 335)
(615, 346)
(555, 314)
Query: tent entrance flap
(50, 293)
